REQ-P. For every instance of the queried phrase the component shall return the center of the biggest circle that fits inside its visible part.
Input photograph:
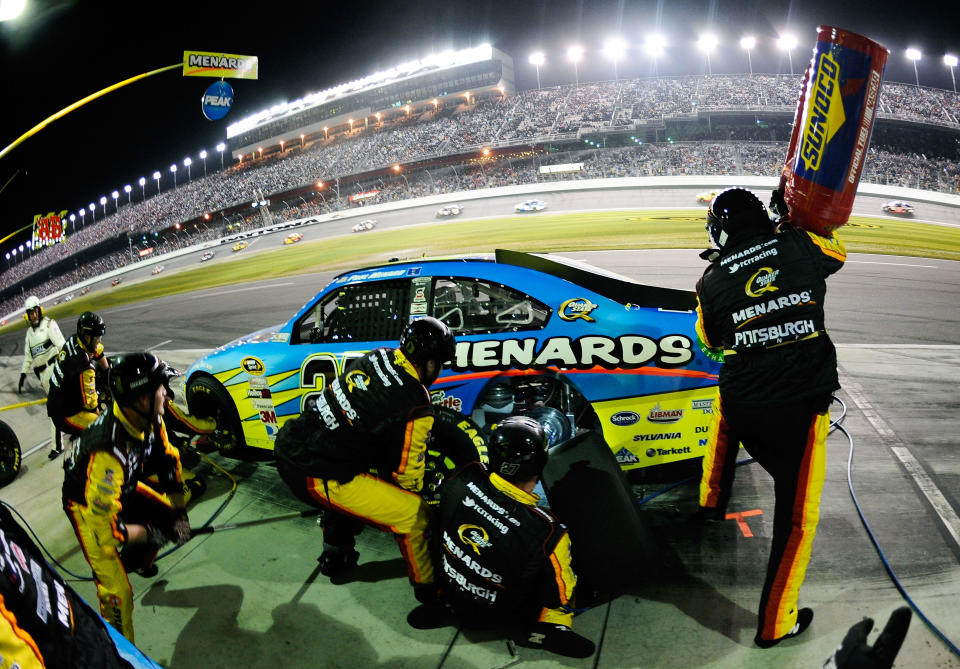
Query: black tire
(206, 398)
(454, 441)
(9, 454)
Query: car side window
(473, 306)
(357, 312)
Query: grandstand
(731, 125)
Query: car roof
(618, 288)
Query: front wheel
(455, 440)
(9, 454)
(207, 398)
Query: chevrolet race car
(293, 238)
(157, 269)
(239, 246)
(530, 205)
(367, 224)
(449, 210)
(706, 197)
(116, 281)
(570, 344)
(206, 256)
(898, 207)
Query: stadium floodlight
(951, 61)
(574, 55)
(914, 55)
(325, 128)
(282, 142)
(301, 139)
(11, 9)
(103, 203)
(707, 43)
(537, 59)
(350, 121)
(156, 175)
(173, 169)
(788, 43)
(203, 157)
(93, 212)
(127, 189)
(187, 162)
(260, 151)
(614, 49)
(115, 194)
(654, 45)
(748, 43)
(143, 194)
(220, 147)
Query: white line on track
(927, 347)
(900, 264)
(241, 290)
(156, 346)
(926, 485)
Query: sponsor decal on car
(263, 402)
(658, 415)
(253, 366)
(440, 398)
(625, 457)
(706, 406)
(280, 337)
(651, 452)
(657, 436)
(625, 418)
(576, 308)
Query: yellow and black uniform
(504, 562)
(43, 622)
(360, 455)
(73, 400)
(761, 301)
(103, 491)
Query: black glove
(156, 536)
(23, 377)
(778, 205)
(180, 532)
(854, 653)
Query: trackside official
(374, 417)
(121, 522)
(40, 348)
(761, 301)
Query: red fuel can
(832, 128)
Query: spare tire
(455, 440)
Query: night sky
(58, 52)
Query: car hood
(274, 333)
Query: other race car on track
(575, 346)
(364, 225)
(898, 208)
(116, 281)
(449, 210)
(706, 197)
(530, 205)
(293, 238)
(157, 269)
(206, 256)
(239, 246)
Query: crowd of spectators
(527, 117)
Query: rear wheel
(9, 454)
(207, 398)
(455, 440)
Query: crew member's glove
(778, 205)
(854, 653)
(156, 536)
(23, 377)
(180, 532)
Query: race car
(206, 256)
(449, 210)
(706, 197)
(293, 238)
(530, 205)
(115, 281)
(362, 226)
(85, 290)
(898, 208)
(239, 246)
(157, 269)
(575, 346)
(68, 297)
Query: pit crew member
(375, 416)
(121, 523)
(40, 347)
(505, 562)
(761, 301)
(73, 401)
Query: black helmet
(91, 324)
(518, 448)
(135, 374)
(735, 210)
(427, 339)
(168, 373)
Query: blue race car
(570, 344)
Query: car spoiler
(619, 290)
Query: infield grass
(540, 232)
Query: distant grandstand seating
(559, 116)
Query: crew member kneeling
(505, 562)
(121, 522)
(375, 416)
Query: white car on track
(449, 210)
(530, 205)
(364, 225)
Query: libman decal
(667, 432)
(624, 352)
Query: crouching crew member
(505, 562)
(73, 400)
(761, 300)
(375, 416)
(121, 522)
